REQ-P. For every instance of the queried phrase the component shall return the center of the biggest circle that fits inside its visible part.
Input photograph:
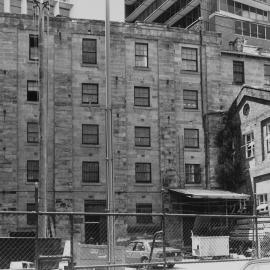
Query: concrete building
(158, 89)
(231, 18)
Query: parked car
(139, 251)
(16, 265)
(259, 264)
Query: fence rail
(78, 240)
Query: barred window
(31, 218)
(90, 134)
(32, 170)
(266, 137)
(142, 208)
(189, 59)
(248, 144)
(143, 172)
(141, 55)
(90, 172)
(33, 47)
(238, 72)
(142, 136)
(89, 51)
(267, 74)
(190, 99)
(193, 173)
(89, 93)
(191, 138)
(32, 132)
(32, 91)
(141, 96)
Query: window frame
(90, 134)
(31, 132)
(138, 139)
(267, 76)
(31, 219)
(141, 56)
(94, 52)
(30, 47)
(146, 172)
(197, 138)
(87, 94)
(249, 145)
(192, 171)
(34, 172)
(143, 208)
(187, 60)
(186, 99)
(90, 172)
(35, 91)
(237, 72)
(136, 98)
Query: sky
(95, 9)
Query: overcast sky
(95, 9)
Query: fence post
(37, 227)
(163, 229)
(71, 242)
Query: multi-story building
(157, 101)
(231, 18)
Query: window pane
(144, 208)
(238, 72)
(143, 172)
(32, 170)
(238, 27)
(193, 173)
(90, 134)
(90, 172)
(231, 6)
(32, 132)
(190, 99)
(246, 28)
(189, 59)
(261, 31)
(89, 93)
(33, 47)
(245, 11)
(254, 32)
(142, 136)
(141, 55)
(141, 96)
(31, 218)
(89, 51)
(32, 91)
(223, 5)
(238, 8)
(191, 138)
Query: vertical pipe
(257, 246)
(71, 242)
(163, 239)
(108, 134)
(37, 226)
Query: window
(142, 208)
(191, 138)
(90, 134)
(141, 55)
(31, 218)
(32, 132)
(89, 93)
(142, 96)
(248, 144)
(32, 91)
(142, 136)
(189, 59)
(262, 199)
(193, 173)
(143, 172)
(32, 170)
(266, 137)
(238, 72)
(89, 51)
(33, 47)
(190, 99)
(246, 28)
(261, 31)
(90, 172)
(238, 27)
(267, 74)
(254, 30)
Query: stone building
(159, 80)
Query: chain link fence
(80, 240)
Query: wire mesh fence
(80, 240)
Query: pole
(71, 242)
(43, 119)
(37, 226)
(109, 148)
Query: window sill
(92, 184)
(30, 184)
(142, 68)
(238, 84)
(90, 105)
(89, 65)
(143, 184)
(31, 144)
(142, 107)
(90, 145)
(136, 147)
(190, 72)
(190, 149)
(32, 102)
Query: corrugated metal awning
(211, 194)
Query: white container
(210, 246)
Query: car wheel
(144, 267)
(170, 265)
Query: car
(15, 265)
(139, 251)
(257, 264)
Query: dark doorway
(95, 225)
